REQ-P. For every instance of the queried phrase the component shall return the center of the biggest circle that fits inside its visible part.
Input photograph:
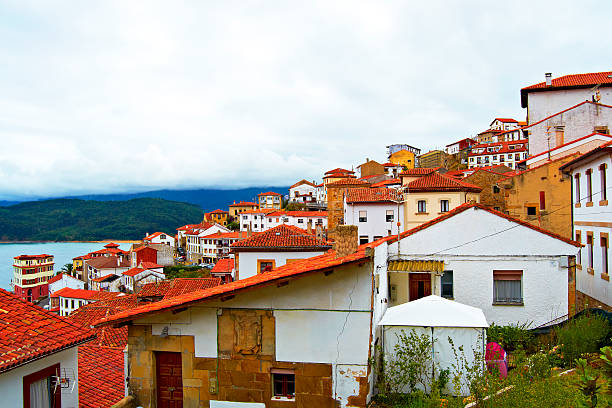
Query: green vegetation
(512, 337)
(80, 220)
(180, 271)
(585, 334)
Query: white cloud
(115, 96)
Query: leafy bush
(173, 272)
(512, 337)
(585, 334)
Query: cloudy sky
(117, 96)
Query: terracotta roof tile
(575, 80)
(348, 182)
(339, 170)
(419, 171)
(282, 236)
(440, 182)
(244, 204)
(386, 183)
(504, 147)
(292, 270)
(269, 193)
(26, 257)
(28, 332)
(299, 183)
(372, 195)
(225, 265)
(101, 372)
(56, 278)
(75, 293)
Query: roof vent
(548, 77)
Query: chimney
(248, 230)
(309, 228)
(345, 240)
(319, 232)
(367, 160)
(548, 77)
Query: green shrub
(585, 334)
(512, 337)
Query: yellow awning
(415, 266)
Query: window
(422, 206)
(285, 219)
(363, 216)
(390, 215)
(542, 200)
(447, 284)
(602, 129)
(531, 210)
(363, 239)
(495, 189)
(39, 389)
(604, 253)
(579, 240)
(602, 177)
(590, 249)
(443, 205)
(589, 173)
(265, 265)
(300, 220)
(72, 304)
(283, 383)
(507, 287)
(577, 187)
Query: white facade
(394, 170)
(70, 304)
(160, 238)
(484, 155)
(215, 247)
(544, 104)
(142, 278)
(593, 225)
(321, 193)
(11, 382)
(312, 317)
(67, 281)
(380, 219)
(248, 261)
(303, 193)
(193, 239)
(260, 221)
(457, 241)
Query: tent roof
(434, 311)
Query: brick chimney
(309, 226)
(345, 240)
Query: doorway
(169, 380)
(420, 285)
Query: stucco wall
(11, 382)
(247, 261)
(543, 104)
(413, 218)
(376, 224)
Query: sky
(127, 96)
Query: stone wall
(489, 196)
(583, 301)
(242, 371)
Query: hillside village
(277, 302)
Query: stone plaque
(247, 334)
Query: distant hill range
(207, 199)
(80, 220)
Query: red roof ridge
(439, 182)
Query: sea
(63, 253)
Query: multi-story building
(503, 124)
(335, 199)
(259, 221)
(370, 168)
(303, 191)
(432, 159)
(236, 209)
(217, 245)
(592, 225)
(336, 174)
(217, 216)
(556, 94)
(492, 154)
(193, 239)
(31, 274)
(404, 157)
(459, 146)
(270, 200)
(160, 238)
(377, 212)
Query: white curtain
(40, 397)
(508, 291)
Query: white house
(103, 265)
(592, 224)
(556, 94)
(275, 247)
(193, 238)
(393, 169)
(504, 124)
(263, 220)
(500, 153)
(135, 278)
(63, 280)
(107, 283)
(160, 238)
(375, 211)
(217, 245)
(38, 357)
(513, 271)
(303, 191)
(254, 220)
(67, 300)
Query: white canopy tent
(439, 318)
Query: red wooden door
(169, 380)
(420, 285)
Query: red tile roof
(170, 288)
(156, 234)
(504, 148)
(223, 235)
(109, 262)
(505, 120)
(259, 211)
(587, 80)
(225, 265)
(282, 236)
(464, 207)
(105, 277)
(281, 213)
(269, 193)
(101, 373)
(150, 265)
(299, 183)
(56, 278)
(386, 182)
(440, 182)
(289, 271)
(348, 182)
(372, 195)
(419, 171)
(244, 204)
(28, 332)
(26, 257)
(217, 212)
(133, 271)
(339, 170)
(75, 293)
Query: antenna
(65, 380)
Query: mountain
(207, 199)
(88, 220)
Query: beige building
(434, 194)
(237, 208)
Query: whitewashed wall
(11, 382)
(66, 282)
(544, 104)
(247, 261)
(376, 224)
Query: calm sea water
(62, 251)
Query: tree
(67, 268)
